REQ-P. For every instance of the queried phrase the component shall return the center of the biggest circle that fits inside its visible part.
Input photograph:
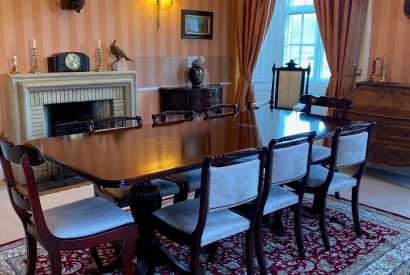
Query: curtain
(341, 25)
(252, 22)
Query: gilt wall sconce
(162, 5)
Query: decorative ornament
(15, 69)
(76, 5)
(196, 73)
(380, 76)
(118, 53)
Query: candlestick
(100, 66)
(15, 69)
(35, 59)
(34, 43)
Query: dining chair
(349, 148)
(205, 220)
(217, 110)
(120, 196)
(287, 161)
(82, 224)
(173, 116)
(339, 108)
(288, 84)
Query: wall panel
(131, 22)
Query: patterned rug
(384, 248)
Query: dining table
(128, 156)
(135, 155)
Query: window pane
(309, 28)
(325, 69)
(295, 28)
(309, 2)
(308, 57)
(293, 53)
(297, 2)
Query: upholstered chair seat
(84, 218)
(183, 216)
(320, 153)
(279, 198)
(340, 181)
(192, 178)
(166, 188)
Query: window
(302, 42)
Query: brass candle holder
(100, 66)
(35, 61)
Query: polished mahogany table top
(120, 157)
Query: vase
(196, 74)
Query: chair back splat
(288, 84)
(115, 122)
(340, 106)
(158, 119)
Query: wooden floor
(379, 189)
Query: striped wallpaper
(391, 37)
(158, 55)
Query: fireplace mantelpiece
(22, 92)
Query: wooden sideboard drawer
(389, 152)
(385, 127)
(190, 98)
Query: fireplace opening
(61, 113)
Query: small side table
(190, 98)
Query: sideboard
(387, 104)
(190, 98)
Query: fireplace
(57, 114)
(39, 101)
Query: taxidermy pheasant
(118, 53)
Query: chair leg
(55, 262)
(128, 249)
(250, 266)
(182, 195)
(197, 193)
(278, 224)
(211, 250)
(298, 230)
(337, 195)
(260, 255)
(322, 220)
(194, 261)
(355, 210)
(96, 258)
(31, 245)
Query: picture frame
(196, 24)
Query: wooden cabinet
(387, 104)
(190, 98)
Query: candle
(34, 43)
(14, 60)
(99, 44)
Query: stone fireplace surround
(27, 96)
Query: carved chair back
(340, 106)
(288, 160)
(349, 148)
(288, 84)
(217, 110)
(71, 128)
(27, 156)
(172, 116)
(115, 122)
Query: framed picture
(196, 24)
